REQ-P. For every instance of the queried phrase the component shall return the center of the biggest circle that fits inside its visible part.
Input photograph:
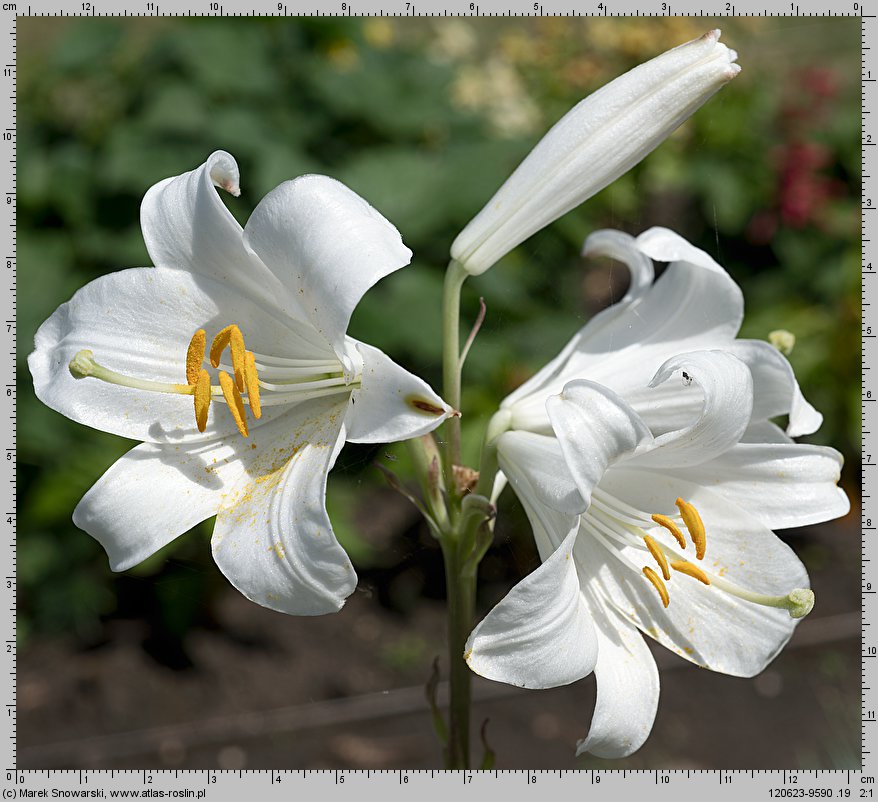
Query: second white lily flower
(645, 458)
(598, 140)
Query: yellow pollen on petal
(690, 570)
(234, 400)
(667, 523)
(656, 551)
(202, 396)
(656, 580)
(251, 380)
(195, 356)
(695, 526)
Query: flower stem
(460, 582)
(451, 364)
(461, 591)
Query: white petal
(694, 305)
(273, 539)
(154, 494)
(775, 389)
(391, 404)
(187, 227)
(326, 244)
(550, 527)
(623, 247)
(781, 485)
(541, 634)
(595, 428)
(139, 323)
(665, 245)
(765, 432)
(538, 460)
(593, 144)
(727, 401)
(615, 245)
(627, 690)
(703, 624)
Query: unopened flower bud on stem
(598, 140)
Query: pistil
(83, 365)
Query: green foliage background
(425, 120)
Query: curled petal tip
(713, 35)
(224, 172)
(231, 187)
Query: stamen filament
(234, 400)
(695, 526)
(195, 356)
(295, 387)
(667, 523)
(604, 522)
(656, 580)
(274, 363)
(305, 372)
(617, 508)
(587, 525)
(685, 567)
(276, 399)
(656, 551)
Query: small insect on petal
(234, 400)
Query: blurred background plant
(425, 120)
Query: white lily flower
(646, 461)
(598, 140)
(252, 443)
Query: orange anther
(202, 397)
(695, 526)
(195, 356)
(690, 570)
(251, 380)
(667, 523)
(656, 580)
(656, 551)
(234, 400)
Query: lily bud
(598, 140)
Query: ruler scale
(720, 784)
